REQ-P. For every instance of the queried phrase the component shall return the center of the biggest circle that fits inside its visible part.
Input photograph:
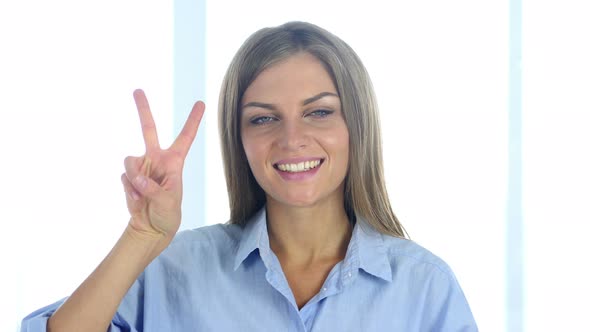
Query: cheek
(255, 153)
(247, 146)
(250, 152)
(337, 142)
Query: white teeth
(299, 167)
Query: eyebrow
(305, 102)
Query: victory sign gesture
(153, 182)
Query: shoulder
(405, 253)
(420, 270)
(397, 258)
(416, 270)
(208, 244)
(434, 291)
(212, 234)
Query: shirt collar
(254, 231)
(372, 253)
(366, 249)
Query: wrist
(150, 244)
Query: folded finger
(137, 165)
(135, 202)
(129, 190)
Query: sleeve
(128, 318)
(447, 308)
(37, 320)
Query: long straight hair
(365, 194)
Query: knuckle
(148, 126)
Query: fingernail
(140, 181)
(135, 196)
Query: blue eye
(261, 120)
(320, 113)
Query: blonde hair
(365, 194)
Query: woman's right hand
(153, 182)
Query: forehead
(296, 78)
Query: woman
(312, 243)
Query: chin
(298, 200)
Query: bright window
(556, 164)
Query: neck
(308, 235)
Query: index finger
(185, 139)
(148, 126)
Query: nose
(293, 136)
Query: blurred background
(484, 108)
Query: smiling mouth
(303, 166)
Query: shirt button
(324, 289)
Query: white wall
(67, 120)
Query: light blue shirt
(226, 278)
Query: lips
(298, 169)
(301, 166)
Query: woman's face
(294, 133)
